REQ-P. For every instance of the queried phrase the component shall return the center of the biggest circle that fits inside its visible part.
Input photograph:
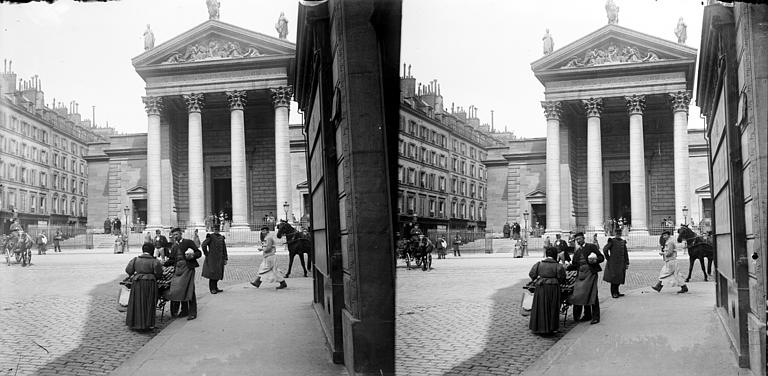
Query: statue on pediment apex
(149, 39)
(549, 44)
(282, 26)
(213, 9)
(681, 31)
(612, 11)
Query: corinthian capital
(281, 97)
(635, 104)
(236, 99)
(552, 109)
(593, 106)
(194, 102)
(153, 105)
(680, 100)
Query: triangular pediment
(613, 46)
(137, 190)
(214, 41)
(703, 189)
(536, 194)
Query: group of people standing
(182, 256)
(112, 226)
(42, 242)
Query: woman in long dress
(670, 272)
(146, 270)
(548, 274)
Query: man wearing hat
(586, 260)
(268, 269)
(184, 255)
(617, 263)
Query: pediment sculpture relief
(213, 49)
(612, 54)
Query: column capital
(153, 105)
(237, 99)
(635, 104)
(552, 109)
(281, 96)
(593, 106)
(680, 100)
(194, 101)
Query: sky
(480, 51)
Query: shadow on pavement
(106, 341)
(510, 347)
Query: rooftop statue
(282, 26)
(149, 39)
(213, 9)
(549, 44)
(681, 31)
(613, 12)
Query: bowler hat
(578, 234)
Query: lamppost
(685, 214)
(285, 207)
(126, 209)
(525, 238)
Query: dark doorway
(222, 196)
(139, 212)
(538, 214)
(621, 203)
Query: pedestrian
(506, 230)
(547, 242)
(547, 275)
(616, 263)
(107, 226)
(441, 247)
(184, 255)
(516, 231)
(268, 269)
(118, 225)
(670, 272)
(456, 245)
(595, 241)
(144, 270)
(215, 250)
(57, 238)
(148, 239)
(196, 239)
(586, 260)
(562, 249)
(161, 246)
(42, 242)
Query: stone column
(281, 99)
(153, 106)
(635, 107)
(593, 108)
(237, 144)
(680, 101)
(552, 110)
(195, 174)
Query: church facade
(618, 146)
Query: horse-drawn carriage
(699, 247)
(17, 246)
(417, 249)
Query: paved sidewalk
(646, 333)
(242, 331)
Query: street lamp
(285, 207)
(685, 214)
(525, 239)
(126, 209)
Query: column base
(240, 227)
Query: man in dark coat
(215, 250)
(118, 225)
(586, 260)
(506, 230)
(562, 248)
(617, 262)
(161, 246)
(516, 231)
(107, 226)
(182, 291)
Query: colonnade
(593, 108)
(195, 103)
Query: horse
(698, 249)
(20, 246)
(298, 244)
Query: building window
(463, 188)
(453, 185)
(411, 204)
(424, 155)
(423, 179)
(401, 147)
(431, 207)
(411, 176)
(400, 196)
(42, 204)
(441, 183)
(441, 209)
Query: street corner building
(616, 106)
(218, 136)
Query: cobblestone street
(463, 318)
(59, 316)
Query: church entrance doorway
(222, 196)
(621, 204)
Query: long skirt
(584, 290)
(141, 304)
(670, 274)
(545, 311)
(182, 286)
(268, 270)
